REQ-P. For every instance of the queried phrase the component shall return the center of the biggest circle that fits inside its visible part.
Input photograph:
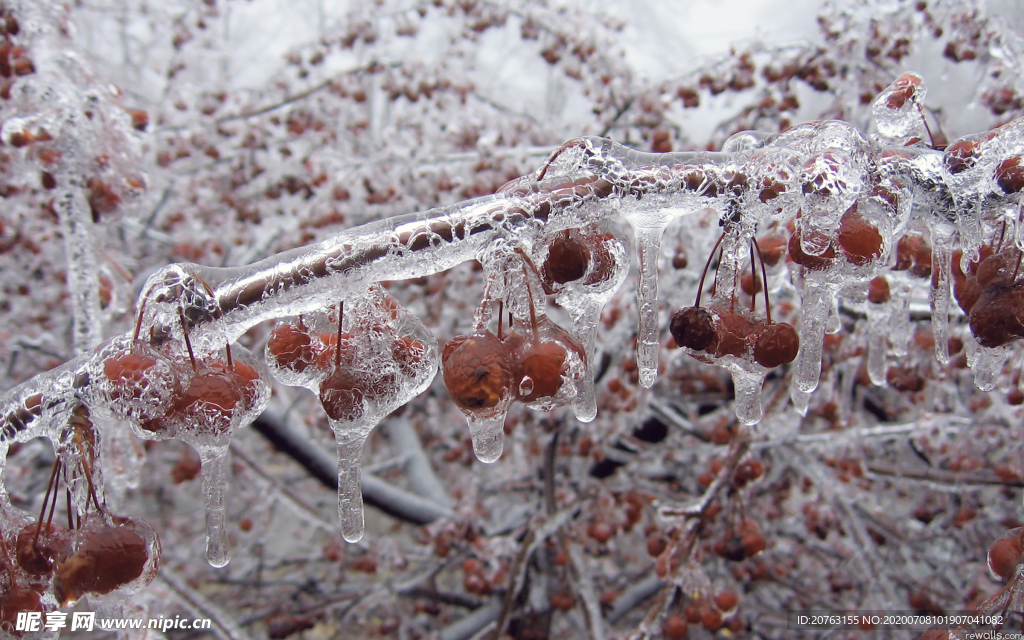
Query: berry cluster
(361, 375)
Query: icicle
(971, 236)
(648, 241)
(878, 341)
(488, 436)
(75, 215)
(988, 365)
(900, 327)
(216, 464)
(817, 298)
(747, 380)
(350, 439)
(801, 399)
(939, 293)
(586, 312)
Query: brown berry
(479, 371)
(108, 558)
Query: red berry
(568, 258)
(656, 545)
(993, 319)
(693, 328)
(1004, 555)
(773, 248)
(902, 89)
(776, 344)
(878, 290)
(733, 334)
(291, 347)
(961, 155)
(37, 555)
(675, 628)
(544, 363)
(1010, 175)
(726, 601)
(341, 395)
(859, 239)
(108, 558)
(806, 260)
(479, 371)
(128, 372)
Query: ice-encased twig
(611, 181)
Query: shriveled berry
(479, 371)
(859, 240)
(656, 545)
(693, 328)
(776, 344)
(902, 89)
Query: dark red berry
(776, 344)
(107, 559)
(693, 328)
(1010, 175)
(568, 258)
(961, 155)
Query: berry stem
(753, 281)
(188, 343)
(501, 313)
(227, 351)
(764, 281)
(46, 500)
(337, 347)
(704, 273)
(529, 290)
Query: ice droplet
(940, 294)
(747, 381)
(350, 439)
(488, 435)
(215, 467)
(817, 299)
(878, 340)
(648, 241)
(989, 364)
(801, 399)
(526, 386)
